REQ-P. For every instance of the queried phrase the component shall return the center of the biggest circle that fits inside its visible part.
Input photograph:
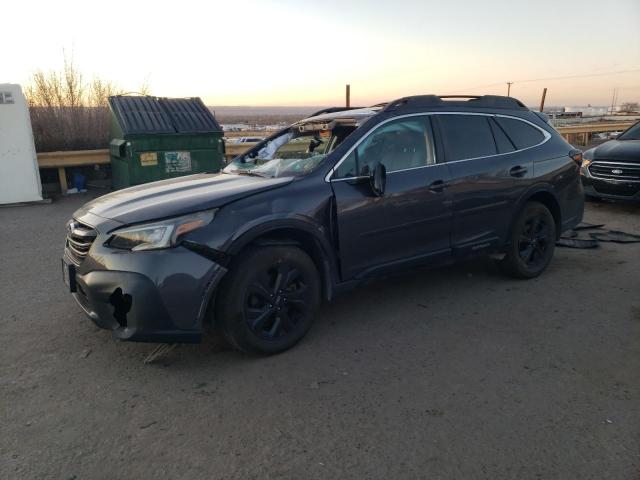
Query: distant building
(629, 107)
(589, 111)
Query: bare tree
(68, 113)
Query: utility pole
(348, 95)
(509, 88)
(544, 95)
(614, 99)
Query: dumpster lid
(145, 114)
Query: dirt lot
(453, 373)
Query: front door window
(399, 145)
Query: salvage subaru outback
(327, 203)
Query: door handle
(518, 171)
(438, 186)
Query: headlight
(588, 154)
(163, 234)
(587, 157)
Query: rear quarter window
(521, 134)
(502, 141)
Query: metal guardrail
(62, 160)
(586, 129)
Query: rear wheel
(532, 242)
(269, 299)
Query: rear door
(489, 175)
(412, 220)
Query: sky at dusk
(242, 52)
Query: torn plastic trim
(268, 151)
(209, 253)
(577, 243)
(330, 125)
(615, 236)
(570, 238)
(121, 303)
(588, 226)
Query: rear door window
(466, 136)
(521, 134)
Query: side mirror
(378, 180)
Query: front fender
(297, 230)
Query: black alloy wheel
(268, 299)
(532, 242)
(276, 300)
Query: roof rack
(332, 110)
(481, 101)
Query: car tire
(532, 242)
(268, 300)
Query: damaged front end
(149, 294)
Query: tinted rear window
(466, 136)
(521, 134)
(502, 141)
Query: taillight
(576, 155)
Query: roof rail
(482, 101)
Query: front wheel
(269, 299)
(532, 242)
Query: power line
(601, 74)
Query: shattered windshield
(295, 152)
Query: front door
(411, 220)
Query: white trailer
(19, 175)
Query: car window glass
(466, 136)
(632, 134)
(347, 169)
(521, 134)
(398, 145)
(502, 141)
(302, 147)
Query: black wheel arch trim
(257, 233)
(547, 190)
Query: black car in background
(612, 170)
(321, 206)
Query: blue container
(79, 181)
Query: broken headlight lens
(156, 235)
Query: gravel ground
(451, 373)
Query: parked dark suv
(612, 170)
(327, 203)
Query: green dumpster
(156, 138)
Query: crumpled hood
(620, 150)
(176, 196)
